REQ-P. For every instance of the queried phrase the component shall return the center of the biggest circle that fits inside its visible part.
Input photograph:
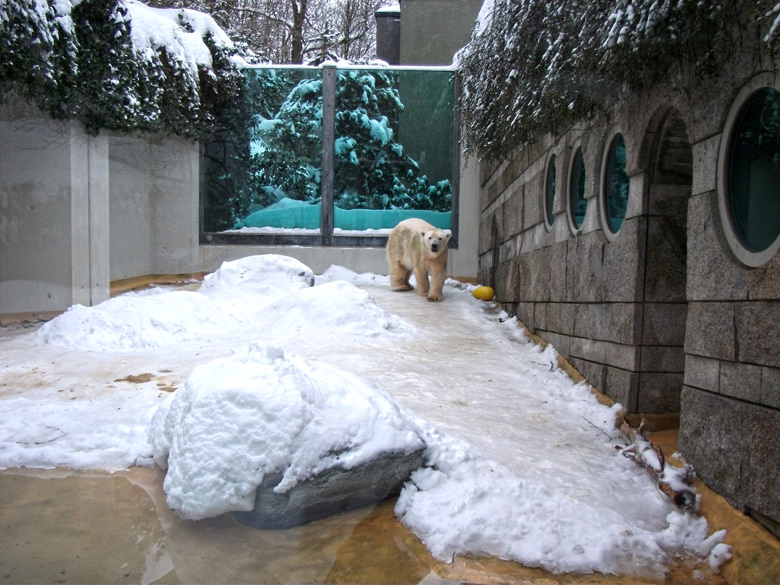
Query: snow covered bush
(536, 67)
(118, 64)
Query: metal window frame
(327, 237)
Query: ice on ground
(259, 412)
(495, 511)
(104, 432)
(521, 462)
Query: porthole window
(549, 194)
(752, 177)
(615, 187)
(578, 205)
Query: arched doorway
(664, 310)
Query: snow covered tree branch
(118, 64)
(537, 67)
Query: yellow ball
(483, 293)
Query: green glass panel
(616, 184)
(264, 169)
(394, 147)
(549, 192)
(754, 171)
(578, 205)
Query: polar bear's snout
(434, 246)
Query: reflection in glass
(578, 205)
(616, 184)
(754, 171)
(264, 168)
(549, 192)
(393, 148)
(394, 151)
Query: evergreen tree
(372, 171)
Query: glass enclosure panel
(262, 173)
(616, 184)
(394, 148)
(549, 192)
(578, 205)
(754, 172)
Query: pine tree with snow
(372, 170)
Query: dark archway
(670, 172)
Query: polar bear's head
(435, 241)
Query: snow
(153, 28)
(393, 8)
(276, 369)
(261, 411)
(484, 17)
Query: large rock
(330, 492)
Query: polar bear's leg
(437, 284)
(399, 277)
(422, 281)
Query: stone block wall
(664, 317)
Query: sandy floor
(63, 526)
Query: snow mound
(248, 284)
(326, 313)
(341, 273)
(133, 322)
(260, 411)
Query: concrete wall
(154, 206)
(663, 317)
(432, 31)
(388, 35)
(53, 213)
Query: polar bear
(416, 246)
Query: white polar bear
(416, 246)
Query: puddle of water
(62, 526)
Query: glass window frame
(327, 236)
(548, 194)
(740, 250)
(575, 152)
(606, 175)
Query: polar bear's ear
(422, 234)
(448, 234)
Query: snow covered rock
(331, 491)
(261, 419)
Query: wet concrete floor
(62, 526)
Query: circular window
(578, 205)
(549, 194)
(615, 201)
(749, 178)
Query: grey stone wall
(663, 317)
